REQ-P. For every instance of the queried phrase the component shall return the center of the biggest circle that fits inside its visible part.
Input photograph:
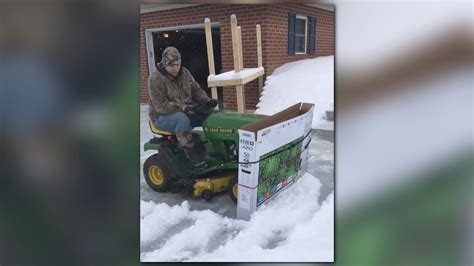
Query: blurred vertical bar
(70, 109)
(404, 171)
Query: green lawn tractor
(217, 143)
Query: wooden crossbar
(237, 53)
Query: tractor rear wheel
(156, 173)
(233, 189)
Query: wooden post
(239, 89)
(259, 57)
(210, 55)
(235, 42)
(241, 56)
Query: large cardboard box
(273, 154)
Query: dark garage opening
(191, 43)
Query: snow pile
(149, 213)
(293, 227)
(309, 80)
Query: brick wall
(274, 23)
(275, 34)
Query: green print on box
(277, 169)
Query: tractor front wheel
(156, 175)
(233, 189)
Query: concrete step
(330, 115)
(325, 130)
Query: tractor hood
(229, 120)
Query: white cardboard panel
(253, 145)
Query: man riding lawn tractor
(206, 161)
(174, 94)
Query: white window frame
(305, 18)
(149, 40)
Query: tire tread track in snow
(276, 239)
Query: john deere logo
(219, 130)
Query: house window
(301, 23)
(298, 33)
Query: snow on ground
(293, 227)
(309, 80)
(297, 226)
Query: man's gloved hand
(211, 103)
(188, 109)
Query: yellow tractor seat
(159, 131)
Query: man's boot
(186, 142)
(194, 158)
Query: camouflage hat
(171, 56)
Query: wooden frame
(227, 79)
